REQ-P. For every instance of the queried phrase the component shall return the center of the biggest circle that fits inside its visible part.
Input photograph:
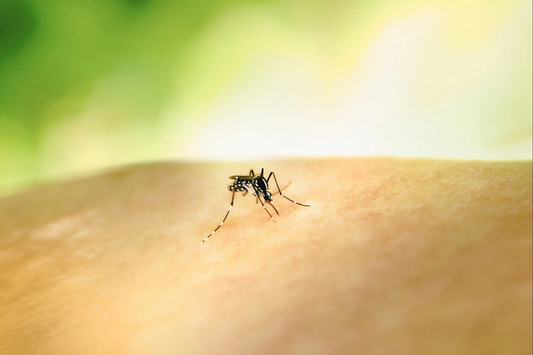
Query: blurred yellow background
(89, 84)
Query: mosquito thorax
(261, 183)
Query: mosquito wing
(241, 177)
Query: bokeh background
(89, 84)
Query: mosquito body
(257, 185)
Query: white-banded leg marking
(226, 216)
(281, 193)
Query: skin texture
(393, 256)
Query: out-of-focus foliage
(90, 84)
(113, 62)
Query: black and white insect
(257, 185)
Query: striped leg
(226, 216)
(281, 193)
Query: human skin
(394, 256)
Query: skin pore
(395, 256)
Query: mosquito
(256, 185)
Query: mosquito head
(267, 196)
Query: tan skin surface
(393, 256)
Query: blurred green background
(88, 84)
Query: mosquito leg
(226, 216)
(249, 190)
(281, 193)
(282, 188)
(264, 207)
(262, 204)
(254, 192)
(274, 207)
